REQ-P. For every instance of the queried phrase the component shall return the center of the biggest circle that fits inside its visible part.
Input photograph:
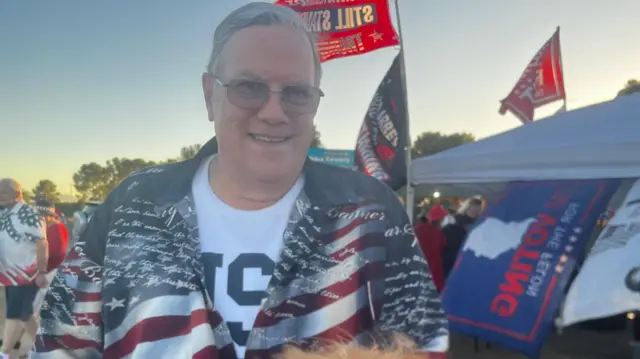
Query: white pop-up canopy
(599, 141)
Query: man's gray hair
(11, 184)
(261, 14)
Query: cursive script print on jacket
(134, 286)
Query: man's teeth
(268, 138)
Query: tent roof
(599, 141)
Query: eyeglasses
(252, 95)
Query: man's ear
(207, 89)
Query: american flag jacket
(134, 286)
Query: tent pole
(403, 77)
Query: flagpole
(407, 152)
(564, 100)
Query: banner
(347, 27)
(380, 148)
(542, 82)
(509, 278)
(340, 158)
(602, 287)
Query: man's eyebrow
(248, 75)
(251, 76)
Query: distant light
(436, 194)
(631, 316)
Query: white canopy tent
(599, 141)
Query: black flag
(380, 149)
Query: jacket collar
(16, 207)
(322, 190)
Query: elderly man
(23, 255)
(248, 246)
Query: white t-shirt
(239, 250)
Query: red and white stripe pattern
(71, 316)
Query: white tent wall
(599, 141)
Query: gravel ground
(572, 344)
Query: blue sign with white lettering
(340, 158)
(511, 272)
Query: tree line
(93, 181)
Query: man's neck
(243, 193)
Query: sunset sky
(87, 81)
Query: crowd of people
(441, 232)
(33, 244)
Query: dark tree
(429, 143)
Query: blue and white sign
(340, 158)
(511, 272)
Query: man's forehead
(262, 52)
(273, 35)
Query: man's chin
(274, 172)
(270, 176)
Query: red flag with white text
(541, 83)
(347, 27)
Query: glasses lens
(301, 99)
(248, 94)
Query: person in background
(57, 234)
(432, 242)
(57, 238)
(23, 241)
(456, 231)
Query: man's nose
(272, 111)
